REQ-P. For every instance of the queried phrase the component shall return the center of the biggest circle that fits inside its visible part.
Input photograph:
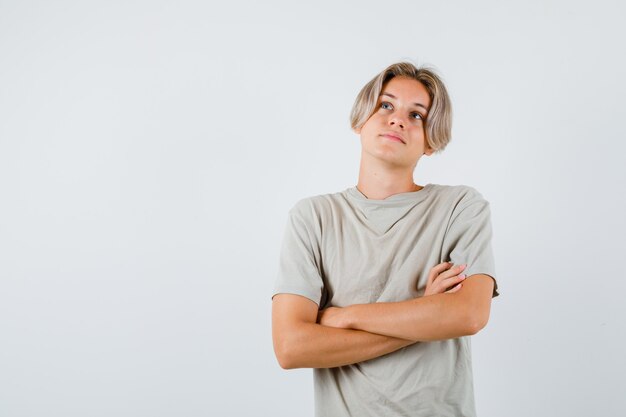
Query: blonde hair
(438, 123)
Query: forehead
(407, 90)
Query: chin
(397, 163)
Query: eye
(417, 116)
(385, 105)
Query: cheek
(418, 130)
(367, 128)
(374, 118)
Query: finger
(438, 269)
(445, 284)
(455, 289)
(455, 270)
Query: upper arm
(475, 295)
(299, 268)
(288, 312)
(289, 309)
(468, 236)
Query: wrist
(349, 317)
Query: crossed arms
(343, 336)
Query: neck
(379, 181)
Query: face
(395, 132)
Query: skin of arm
(436, 317)
(300, 342)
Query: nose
(396, 120)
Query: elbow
(284, 361)
(291, 346)
(476, 323)
(286, 355)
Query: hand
(332, 317)
(444, 276)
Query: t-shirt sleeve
(468, 238)
(299, 264)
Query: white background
(150, 151)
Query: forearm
(436, 317)
(312, 345)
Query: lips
(395, 136)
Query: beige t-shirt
(343, 248)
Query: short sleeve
(468, 238)
(299, 264)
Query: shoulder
(459, 195)
(461, 201)
(315, 213)
(317, 205)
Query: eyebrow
(416, 104)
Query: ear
(357, 131)
(428, 151)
